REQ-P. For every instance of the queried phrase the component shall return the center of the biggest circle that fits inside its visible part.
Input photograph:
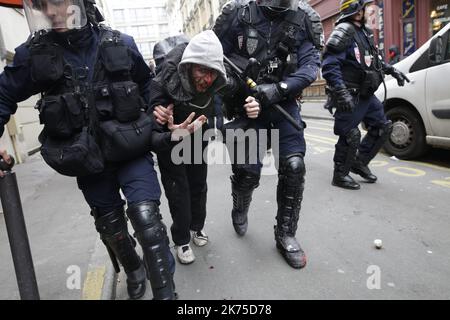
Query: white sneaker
(200, 238)
(185, 254)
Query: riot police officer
(354, 70)
(284, 36)
(95, 88)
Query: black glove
(398, 75)
(344, 100)
(269, 94)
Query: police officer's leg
(102, 194)
(246, 174)
(139, 184)
(244, 181)
(291, 181)
(379, 130)
(346, 127)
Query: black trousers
(186, 188)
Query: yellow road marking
(378, 163)
(93, 285)
(407, 172)
(428, 165)
(443, 183)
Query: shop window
(439, 14)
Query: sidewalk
(314, 110)
(62, 237)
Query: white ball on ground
(378, 243)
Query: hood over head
(204, 49)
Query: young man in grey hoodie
(189, 78)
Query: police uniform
(95, 87)
(353, 71)
(285, 38)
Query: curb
(101, 278)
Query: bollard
(17, 233)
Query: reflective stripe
(347, 4)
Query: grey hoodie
(204, 49)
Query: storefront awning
(11, 3)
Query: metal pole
(17, 234)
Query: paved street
(407, 209)
(60, 229)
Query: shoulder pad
(341, 37)
(227, 14)
(314, 23)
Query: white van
(420, 111)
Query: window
(132, 15)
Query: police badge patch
(357, 54)
(252, 41)
(240, 41)
(368, 59)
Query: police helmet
(279, 4)
(60, 14)
(348, 8)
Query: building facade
(173, 8)
(408, 24)
(146, 21)
(199, 15)
(21, 133)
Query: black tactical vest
(368, 75)
(277, 52)
(88, 120)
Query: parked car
(420, 111)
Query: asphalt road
(408, 209)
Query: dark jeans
(186, 191)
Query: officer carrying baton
(252, 85)
(17, 233)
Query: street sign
(11, 3)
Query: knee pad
(147, 224)
(110, 224)
(293, 169)
(353, 138)
(245, 180)
(294, 165)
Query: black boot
(289, 197)
(136, 282)
(342, 179)
(361, 168)
(242, 186)
(344, 157)
(152, 236)
(113, 231)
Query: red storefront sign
(11, 3)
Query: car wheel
(407, 140)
